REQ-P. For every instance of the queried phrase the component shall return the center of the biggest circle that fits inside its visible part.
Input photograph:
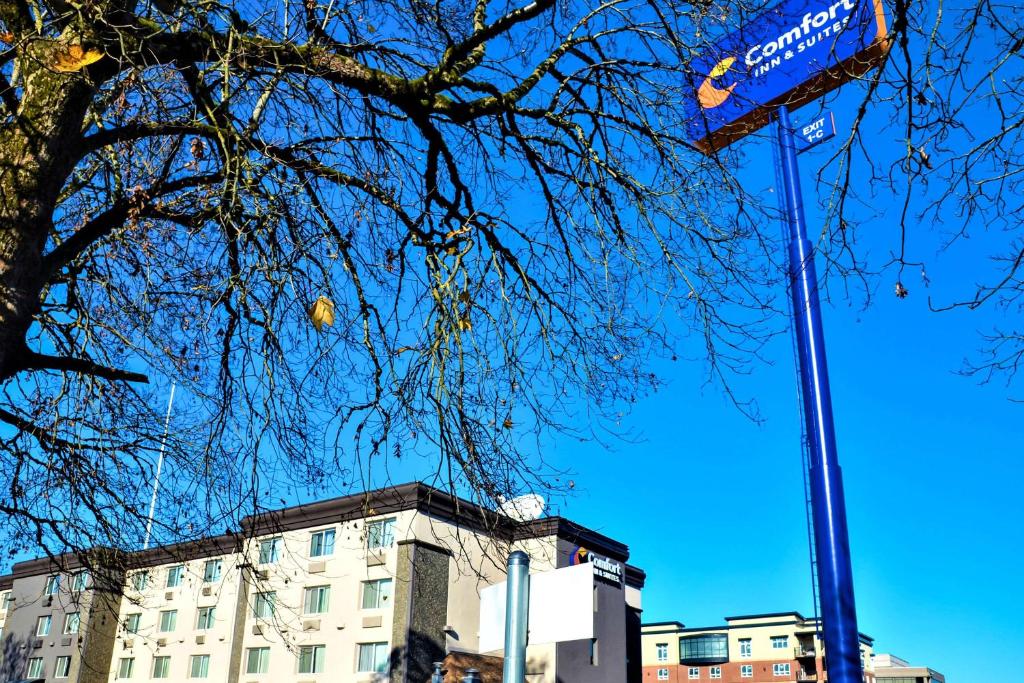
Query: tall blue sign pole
(828, 506)
(786, 57)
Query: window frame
(203, 661)
(120, 668)
(781, 669)
(174, 576)
(211, 617)
(52, 586)
(33, 662)
(272, 546)
(746, 671)
(661, 652)
(67, 622)
(316, 664)
(262, 662)
(40, 631)
(780, 642)
(129, 627)
(263, 599)
(323, 593)
(140, 580)
(165, 661)
(383, 539)
(746, 648)
(379, 601)
(173, 617)
(66, 660)
(715, 672)
(79, 581)
(216, 575)
(321, 547)
(693, 673)
(662, 674)
(380, 667)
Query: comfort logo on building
(579, 556)
(604, 567)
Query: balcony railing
(803, 651)
(804, 676)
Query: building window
(174, 575)
(199, 666)
(747, 671)
(780, 642)
(131, 623)
(168, 620)
(126, 667)
(52, 585)
(317, 600)
(62, 669)
(693, 673)
(662, 650)
(311, 659)
(712, 648)
(139, 580)
(716, 672)
(593, 652)
(270, 550)
(43, 625)
(780, 669)
(373, 658)
(263, 605)
(746, 650)
(257, 660)
(376, 593)
(321, 543)
(205, 619)
(662, 674)
(211, 571)
(79, 581)
(380, 534)
(7, 601)
(71, 623)
(35, 667)
(161, 667)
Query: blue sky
(711, 503)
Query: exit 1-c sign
(814, 132)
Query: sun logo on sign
(579, 556)
(708, 95)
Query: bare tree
(361, 232)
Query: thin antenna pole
(159, 466)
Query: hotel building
(892, 669)
(760, 648)
(370, 587)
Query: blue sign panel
(789, 55)
(814, 132)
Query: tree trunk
(38, 151)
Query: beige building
(892, 669)
(371, 587)
(760, 648)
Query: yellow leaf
(322, 313)
(464, 324)
(6, 38)
(70, 58)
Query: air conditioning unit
(262, 574)
(317, 567)
(129, 643)
(311, 625)
(207, 590)
(257, 630)
(200, 640)
(161, 642)
(169, 595)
